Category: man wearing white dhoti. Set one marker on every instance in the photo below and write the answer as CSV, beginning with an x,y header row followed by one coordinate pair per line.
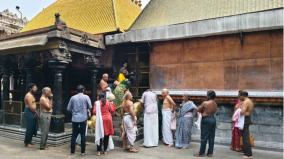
x,y
151,120
129,122
167,112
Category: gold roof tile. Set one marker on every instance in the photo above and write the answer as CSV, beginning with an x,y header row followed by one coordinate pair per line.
x,y
168,12
92,16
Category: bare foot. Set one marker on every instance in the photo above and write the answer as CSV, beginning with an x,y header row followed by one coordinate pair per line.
x,y
133,150
98,153
29,145
170,145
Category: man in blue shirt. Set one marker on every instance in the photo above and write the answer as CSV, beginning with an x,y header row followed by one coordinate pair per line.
x,y
79,105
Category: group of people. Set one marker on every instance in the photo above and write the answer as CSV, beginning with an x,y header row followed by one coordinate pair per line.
x,y
33,116
177,121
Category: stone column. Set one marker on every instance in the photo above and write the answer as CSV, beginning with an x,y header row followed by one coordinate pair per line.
x,y
94,83
57,121
6,84
4,92
92,63
29,76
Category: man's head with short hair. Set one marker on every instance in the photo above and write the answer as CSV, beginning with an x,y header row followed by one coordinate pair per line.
x,y
211,95
127,96
165,92
46,91
242,94
32,87
105,77
80,89
185,97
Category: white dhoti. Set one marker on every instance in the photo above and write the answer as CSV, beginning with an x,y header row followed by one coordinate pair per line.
x,y
151,130
129,128
166,126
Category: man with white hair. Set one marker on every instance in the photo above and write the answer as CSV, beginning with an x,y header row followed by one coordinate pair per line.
x,y
167,111
45,115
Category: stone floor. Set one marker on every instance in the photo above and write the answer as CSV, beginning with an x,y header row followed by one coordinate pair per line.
x,y
14,149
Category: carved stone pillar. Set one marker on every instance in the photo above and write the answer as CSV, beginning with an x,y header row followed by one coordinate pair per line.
x,y
93,63
57,121
29,76
60,59
6,84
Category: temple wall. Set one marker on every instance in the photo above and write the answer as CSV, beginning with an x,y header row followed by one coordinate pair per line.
x,y
227,62
253,61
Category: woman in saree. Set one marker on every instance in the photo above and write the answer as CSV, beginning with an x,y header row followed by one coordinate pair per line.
x,y
186,114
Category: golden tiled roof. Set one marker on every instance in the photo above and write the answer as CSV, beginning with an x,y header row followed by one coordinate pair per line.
x,y
168,12
92,16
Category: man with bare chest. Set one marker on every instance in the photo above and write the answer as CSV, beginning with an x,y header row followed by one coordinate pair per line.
x,y
30,114
208,124
167,112
103,83
46,105
247,107
129,122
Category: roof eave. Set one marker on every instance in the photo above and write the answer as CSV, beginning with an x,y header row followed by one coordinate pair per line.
x,y
264,20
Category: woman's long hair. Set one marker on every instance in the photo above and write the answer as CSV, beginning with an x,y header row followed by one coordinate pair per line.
x,y
102,98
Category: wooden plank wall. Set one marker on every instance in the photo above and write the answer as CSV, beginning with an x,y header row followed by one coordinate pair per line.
x,y
219,62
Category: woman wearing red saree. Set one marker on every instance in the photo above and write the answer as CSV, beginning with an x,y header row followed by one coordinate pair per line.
x,y
106,110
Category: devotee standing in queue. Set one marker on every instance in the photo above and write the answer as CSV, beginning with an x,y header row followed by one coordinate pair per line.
x,y
208,124
186,114
167,112
129,122
103,85
151,119
79,105
237,126
104,127
30,114
247,107
45,115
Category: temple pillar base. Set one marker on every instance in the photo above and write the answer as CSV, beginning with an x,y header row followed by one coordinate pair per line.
x,y
57,123
1,116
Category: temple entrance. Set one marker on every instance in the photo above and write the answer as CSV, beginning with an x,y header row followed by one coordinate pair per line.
x,y
137,57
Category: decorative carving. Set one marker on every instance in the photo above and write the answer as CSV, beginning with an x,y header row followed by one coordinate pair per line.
x,y
61,25
91,60
85,39
62,53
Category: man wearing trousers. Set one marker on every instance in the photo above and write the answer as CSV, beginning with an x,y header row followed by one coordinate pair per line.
x,y
79,105
45,115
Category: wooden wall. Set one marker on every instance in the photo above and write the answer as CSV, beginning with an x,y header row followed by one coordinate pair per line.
x,y
219,62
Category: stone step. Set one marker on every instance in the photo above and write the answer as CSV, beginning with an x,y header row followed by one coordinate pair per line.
x,y
18,133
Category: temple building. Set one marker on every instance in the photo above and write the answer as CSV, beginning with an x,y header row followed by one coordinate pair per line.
x,y
61,48
192,46
10,23
187,46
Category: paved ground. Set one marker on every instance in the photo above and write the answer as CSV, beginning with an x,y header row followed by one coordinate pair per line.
x,y
13,149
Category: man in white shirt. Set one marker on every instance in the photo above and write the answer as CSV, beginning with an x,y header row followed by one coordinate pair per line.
x,y
151,120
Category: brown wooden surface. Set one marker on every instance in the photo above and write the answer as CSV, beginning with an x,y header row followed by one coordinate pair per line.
x,y
219,62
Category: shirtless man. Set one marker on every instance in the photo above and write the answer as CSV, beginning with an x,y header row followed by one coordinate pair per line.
x,y
45,115
30,114
129,122
208,124
247,107
103,83
169,107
